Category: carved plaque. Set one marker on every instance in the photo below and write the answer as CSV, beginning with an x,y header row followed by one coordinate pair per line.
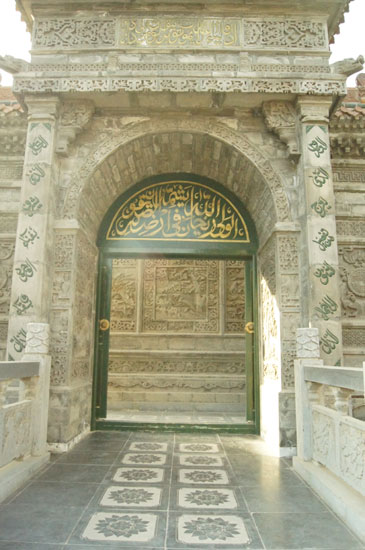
x,y
180,296
124,296
235,296
180,32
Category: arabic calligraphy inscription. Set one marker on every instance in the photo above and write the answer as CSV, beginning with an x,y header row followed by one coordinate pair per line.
x,y
178,210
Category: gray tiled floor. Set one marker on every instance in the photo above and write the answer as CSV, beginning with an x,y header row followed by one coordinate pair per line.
x,y
165,491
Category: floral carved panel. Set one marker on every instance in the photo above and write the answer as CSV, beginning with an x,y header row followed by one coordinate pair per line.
x,y
235,296
352,272
124,296
180,296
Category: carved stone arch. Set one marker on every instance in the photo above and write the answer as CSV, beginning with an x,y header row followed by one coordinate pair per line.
x,y
201,146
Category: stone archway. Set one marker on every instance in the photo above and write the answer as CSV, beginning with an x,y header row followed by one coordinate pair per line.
x,y
201,146
141,149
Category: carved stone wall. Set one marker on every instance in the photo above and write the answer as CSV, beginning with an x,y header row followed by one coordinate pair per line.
x,y
349,182
177,335
71,342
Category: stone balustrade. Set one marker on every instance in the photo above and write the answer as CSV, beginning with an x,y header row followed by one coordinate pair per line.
x,y
331,443
24,395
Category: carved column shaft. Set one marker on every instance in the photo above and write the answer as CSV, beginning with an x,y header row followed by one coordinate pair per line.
x,y
323,309
30,296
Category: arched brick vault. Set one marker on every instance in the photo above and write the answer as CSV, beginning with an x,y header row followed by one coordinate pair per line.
x,y
201,146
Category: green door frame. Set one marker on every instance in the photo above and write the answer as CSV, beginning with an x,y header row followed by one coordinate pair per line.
x,y
189,248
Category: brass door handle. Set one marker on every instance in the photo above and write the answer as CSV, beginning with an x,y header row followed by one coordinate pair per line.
x,y
104,324
249,327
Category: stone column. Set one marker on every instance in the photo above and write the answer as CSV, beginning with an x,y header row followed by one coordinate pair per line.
x,y
320,269
30,296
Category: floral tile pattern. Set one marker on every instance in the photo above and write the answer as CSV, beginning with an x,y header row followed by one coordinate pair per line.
x,y
207,498
213,477
198,448
144,458
121,527
139,475
148,446
131,496
200,460
203,529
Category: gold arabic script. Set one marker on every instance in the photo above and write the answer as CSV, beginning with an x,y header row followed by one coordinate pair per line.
x,y
165,32
178,210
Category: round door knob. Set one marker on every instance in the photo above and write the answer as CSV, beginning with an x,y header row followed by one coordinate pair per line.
x,y
104,324
249,327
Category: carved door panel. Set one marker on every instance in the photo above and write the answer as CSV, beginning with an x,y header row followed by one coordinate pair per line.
x,y
171,336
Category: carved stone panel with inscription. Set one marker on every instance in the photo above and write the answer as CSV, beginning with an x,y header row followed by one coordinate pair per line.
x,y
177,335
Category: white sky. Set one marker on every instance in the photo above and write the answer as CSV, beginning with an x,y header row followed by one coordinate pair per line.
x,y
15,41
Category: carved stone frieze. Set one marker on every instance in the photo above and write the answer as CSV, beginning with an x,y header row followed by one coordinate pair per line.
x,y
208,363
351,228
354,337
352,273
176,384
349,145
280,117
74,32
33,84
288,33
12,143
176,32
11,171
349,175
74,116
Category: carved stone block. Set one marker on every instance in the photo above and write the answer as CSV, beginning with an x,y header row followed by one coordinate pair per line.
x,y
308,343
37,338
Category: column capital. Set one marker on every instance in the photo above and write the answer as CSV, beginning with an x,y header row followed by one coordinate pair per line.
x,y
314,109
44,107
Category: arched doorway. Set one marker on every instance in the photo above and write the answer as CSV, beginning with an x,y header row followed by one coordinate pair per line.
x,y
176,291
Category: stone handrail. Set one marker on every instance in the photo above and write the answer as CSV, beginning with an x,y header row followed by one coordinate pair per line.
x,y
330,442
16,370
24,395
16,426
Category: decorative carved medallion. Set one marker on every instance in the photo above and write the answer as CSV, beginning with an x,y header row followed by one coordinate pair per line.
x,y
178,210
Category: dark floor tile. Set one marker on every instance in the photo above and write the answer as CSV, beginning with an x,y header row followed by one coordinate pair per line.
x,y
61,494
82,457
282,499
38,522
83,473
29,546
300,531
99,445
